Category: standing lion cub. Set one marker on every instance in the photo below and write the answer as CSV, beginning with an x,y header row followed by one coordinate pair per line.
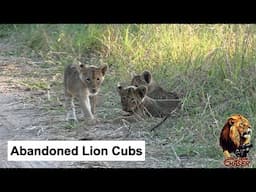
x,y
82,82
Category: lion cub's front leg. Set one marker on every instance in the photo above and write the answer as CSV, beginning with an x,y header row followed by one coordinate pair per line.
x,y
86,106
69,103
93,103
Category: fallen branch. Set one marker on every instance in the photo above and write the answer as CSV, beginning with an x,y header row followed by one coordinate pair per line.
x,y
166,117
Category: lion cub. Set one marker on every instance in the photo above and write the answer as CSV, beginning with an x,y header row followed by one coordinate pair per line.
x,y
137,103
81,81
154,89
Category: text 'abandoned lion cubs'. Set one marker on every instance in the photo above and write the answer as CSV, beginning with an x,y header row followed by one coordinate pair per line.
x,y
135,101
155,91
235,136
81,81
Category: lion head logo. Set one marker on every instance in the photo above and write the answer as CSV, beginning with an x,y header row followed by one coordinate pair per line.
x,y
235,136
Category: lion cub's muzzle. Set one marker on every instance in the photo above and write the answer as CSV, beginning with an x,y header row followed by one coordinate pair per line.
x,y
127,110
93,91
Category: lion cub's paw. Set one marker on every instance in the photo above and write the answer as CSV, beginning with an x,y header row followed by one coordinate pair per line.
x,y
93,121
71,120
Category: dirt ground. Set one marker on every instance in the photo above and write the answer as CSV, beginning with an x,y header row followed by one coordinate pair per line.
x,y
28,114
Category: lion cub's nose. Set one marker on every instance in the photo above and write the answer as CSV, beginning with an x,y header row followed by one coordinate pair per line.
x,y
94,90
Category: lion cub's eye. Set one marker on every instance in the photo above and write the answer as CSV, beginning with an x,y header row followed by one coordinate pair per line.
x,y
98,79
132,99
88,79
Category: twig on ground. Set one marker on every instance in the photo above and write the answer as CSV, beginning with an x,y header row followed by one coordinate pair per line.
x,y
176,156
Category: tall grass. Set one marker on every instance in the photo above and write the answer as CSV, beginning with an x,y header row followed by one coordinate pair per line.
x,y
195,60
222,49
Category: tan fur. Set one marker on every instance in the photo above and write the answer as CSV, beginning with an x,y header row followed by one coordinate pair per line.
x,y
236,132
135,101
155,91
82,82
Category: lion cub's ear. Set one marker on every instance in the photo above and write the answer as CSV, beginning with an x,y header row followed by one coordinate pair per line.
x,y
141,91
133,74
119,87
147,76
78,66
103,69
81,67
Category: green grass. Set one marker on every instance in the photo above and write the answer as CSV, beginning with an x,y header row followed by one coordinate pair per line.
x,y
212,66
36,85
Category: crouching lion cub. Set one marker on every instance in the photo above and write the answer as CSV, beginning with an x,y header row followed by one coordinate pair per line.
x,y
135,101
82,82
154,89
